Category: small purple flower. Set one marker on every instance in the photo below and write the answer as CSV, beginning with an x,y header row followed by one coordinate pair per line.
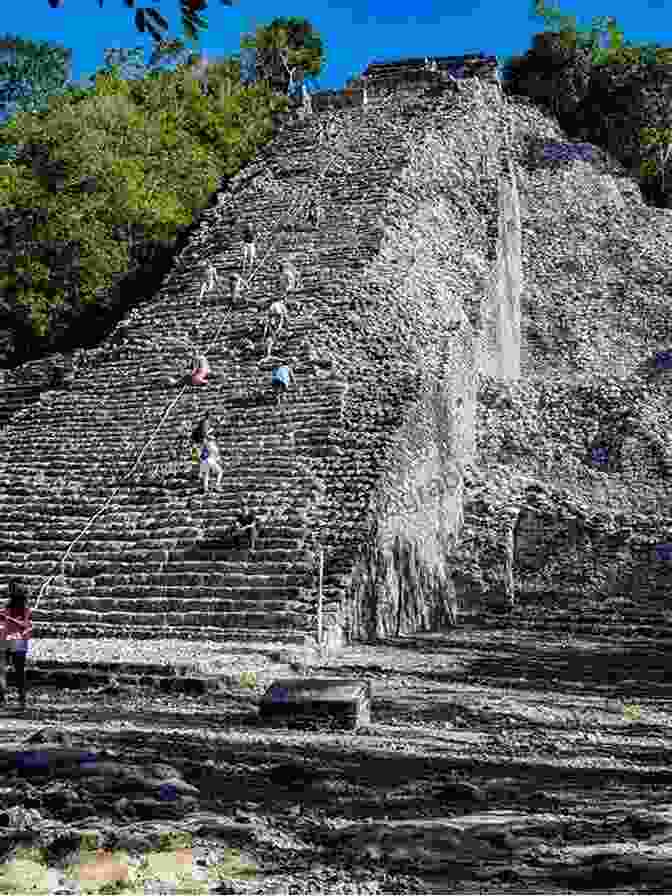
x,y
663,360
568,152
600,455
34,759
279,695
168,792
457,71
664,553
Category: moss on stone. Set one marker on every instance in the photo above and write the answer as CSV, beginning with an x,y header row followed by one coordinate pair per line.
x,y
171,840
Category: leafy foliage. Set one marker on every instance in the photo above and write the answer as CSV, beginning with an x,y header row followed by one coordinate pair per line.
x,y
149,19
106,175
602,38
30,73
286,44
656,142
602,33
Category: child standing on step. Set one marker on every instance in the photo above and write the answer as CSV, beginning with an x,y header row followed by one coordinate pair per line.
x,y
210,463
277,318
236,284
210,281
16,627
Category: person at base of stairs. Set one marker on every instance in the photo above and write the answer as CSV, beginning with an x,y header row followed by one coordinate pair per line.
x,y
315,213
201,430
201,371
211,279
281,377
249,247
16,627
210,463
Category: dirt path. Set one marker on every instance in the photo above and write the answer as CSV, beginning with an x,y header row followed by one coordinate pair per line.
x,y
494,763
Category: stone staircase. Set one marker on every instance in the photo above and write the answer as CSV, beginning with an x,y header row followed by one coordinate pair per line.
x,y
149,565
634,622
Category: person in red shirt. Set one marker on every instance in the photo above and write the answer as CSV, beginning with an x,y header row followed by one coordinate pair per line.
x,y
16,627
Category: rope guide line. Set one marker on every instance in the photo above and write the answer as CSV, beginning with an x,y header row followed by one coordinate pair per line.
x,y
246,281
177,398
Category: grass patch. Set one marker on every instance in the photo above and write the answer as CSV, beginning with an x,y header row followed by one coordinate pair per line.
x,y
248,679
169,840
104,872
24,876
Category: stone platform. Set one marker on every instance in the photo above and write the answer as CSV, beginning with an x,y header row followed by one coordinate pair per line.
x,y
299,701
171,666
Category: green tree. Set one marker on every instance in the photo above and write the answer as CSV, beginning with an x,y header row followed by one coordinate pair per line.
x,y
283,45
31,73
168,53
150,151
656,142
603,38
589,37
126,63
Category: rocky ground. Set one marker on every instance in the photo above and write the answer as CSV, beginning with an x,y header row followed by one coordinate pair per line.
x,y
494,762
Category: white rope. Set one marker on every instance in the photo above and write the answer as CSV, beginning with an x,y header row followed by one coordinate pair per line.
x,y
172,404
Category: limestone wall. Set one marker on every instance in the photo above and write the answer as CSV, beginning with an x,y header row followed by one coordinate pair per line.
x,y
438,283
336,99
395,294
500,346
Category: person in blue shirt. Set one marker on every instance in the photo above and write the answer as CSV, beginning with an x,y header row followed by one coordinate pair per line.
x,y
281,377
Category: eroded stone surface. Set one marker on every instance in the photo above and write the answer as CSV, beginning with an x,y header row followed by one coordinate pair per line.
x,y
518,758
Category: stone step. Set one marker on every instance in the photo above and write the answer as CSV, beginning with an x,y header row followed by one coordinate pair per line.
x,y
288,618
235,577
657,629
209,602
258,441
279,621
198,632
175,592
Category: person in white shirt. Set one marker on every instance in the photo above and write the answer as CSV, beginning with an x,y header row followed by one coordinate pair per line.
x,y
210,463
277,317
289,277
211,280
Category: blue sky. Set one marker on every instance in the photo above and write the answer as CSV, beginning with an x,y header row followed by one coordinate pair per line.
x,y
355,31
